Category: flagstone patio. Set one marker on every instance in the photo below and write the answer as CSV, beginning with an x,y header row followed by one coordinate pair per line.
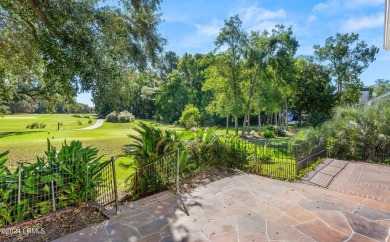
x,y
246,208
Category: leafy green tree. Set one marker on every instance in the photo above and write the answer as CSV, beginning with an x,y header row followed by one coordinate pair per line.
x,y
190,116
283,63
229,66
257,55
268,96
192,68
168,64
313,92
24,105
171,99
381,87
347,58
69,46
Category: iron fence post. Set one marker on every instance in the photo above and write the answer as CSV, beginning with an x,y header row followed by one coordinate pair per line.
x,y
177,170
113,158
19,181
53,196
255,159
296,159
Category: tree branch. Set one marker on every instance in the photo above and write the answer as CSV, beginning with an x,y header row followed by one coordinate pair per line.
x,y
42,17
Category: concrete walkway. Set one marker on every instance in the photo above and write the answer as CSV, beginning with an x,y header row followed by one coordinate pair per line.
x,y
246,208
99,122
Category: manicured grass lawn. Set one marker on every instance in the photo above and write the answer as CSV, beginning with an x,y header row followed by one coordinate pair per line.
x,y
110,139
26,144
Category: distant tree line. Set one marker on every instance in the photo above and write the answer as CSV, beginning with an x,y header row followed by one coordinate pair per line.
x,y
28,105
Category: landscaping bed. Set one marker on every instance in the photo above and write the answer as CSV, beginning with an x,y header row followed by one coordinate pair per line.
x,y
207,176
54,225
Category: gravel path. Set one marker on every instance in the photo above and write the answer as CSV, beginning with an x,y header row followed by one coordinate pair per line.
x,y
98,123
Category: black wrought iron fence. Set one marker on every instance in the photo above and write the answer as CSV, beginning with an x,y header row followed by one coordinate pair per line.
x,y
161,174
267,158
307,152
279,159
39,188
107,190
358,152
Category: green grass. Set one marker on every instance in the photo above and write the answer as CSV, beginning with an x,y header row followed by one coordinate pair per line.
x,y
26,144
110,139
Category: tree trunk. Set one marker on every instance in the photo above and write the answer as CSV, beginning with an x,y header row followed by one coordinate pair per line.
x,y
248,103
286,114
259,117
227,124
280,119
243,124
249,123
236,125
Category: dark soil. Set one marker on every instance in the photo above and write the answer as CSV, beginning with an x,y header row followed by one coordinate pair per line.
x,y
207,176
199,179
54,225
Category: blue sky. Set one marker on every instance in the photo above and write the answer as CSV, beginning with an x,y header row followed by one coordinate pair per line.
x,y
192,26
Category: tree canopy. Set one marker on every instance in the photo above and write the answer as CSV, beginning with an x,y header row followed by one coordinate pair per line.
x,y
347,58
50,48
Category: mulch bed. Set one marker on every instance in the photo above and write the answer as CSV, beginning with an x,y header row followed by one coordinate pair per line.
x,y
200,179
54,225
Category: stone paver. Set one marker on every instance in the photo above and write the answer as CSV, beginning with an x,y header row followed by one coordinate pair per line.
x,y
246,208
364,180
320,231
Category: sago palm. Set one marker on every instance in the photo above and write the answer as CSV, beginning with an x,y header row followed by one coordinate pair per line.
x,y
150,143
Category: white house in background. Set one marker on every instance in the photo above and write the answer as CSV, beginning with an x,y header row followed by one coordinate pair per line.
x,y
387,25
364,95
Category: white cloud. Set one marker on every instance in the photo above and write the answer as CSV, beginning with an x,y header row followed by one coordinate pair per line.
x,y
205,33
311,18
363,3
358,23
256,14
331,6
208,30
257,18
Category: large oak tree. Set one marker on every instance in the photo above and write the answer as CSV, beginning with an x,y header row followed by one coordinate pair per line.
x,y
59,48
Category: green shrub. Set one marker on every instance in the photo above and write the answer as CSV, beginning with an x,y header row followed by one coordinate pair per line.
x,y
315,119
268,134
112,117
125,117
210,150
90,121
190,116
36,125
279,132
79,122
151,143
120,117
360,132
